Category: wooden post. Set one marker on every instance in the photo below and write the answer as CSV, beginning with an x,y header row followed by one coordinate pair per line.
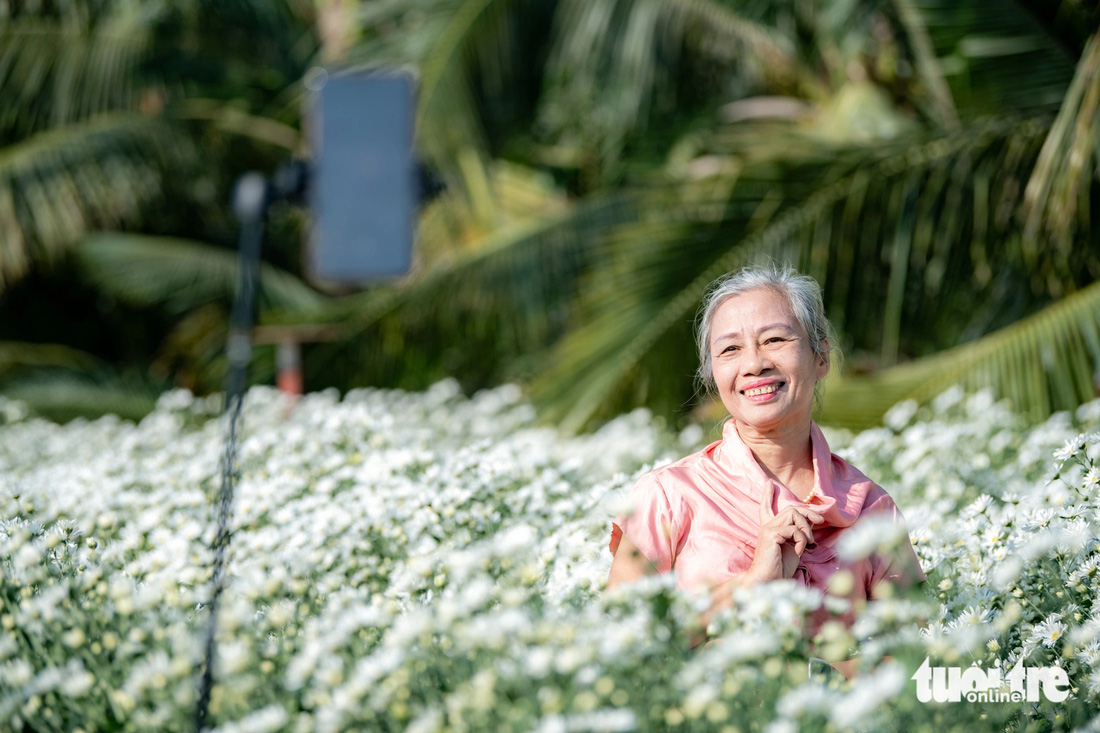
x,y
288,342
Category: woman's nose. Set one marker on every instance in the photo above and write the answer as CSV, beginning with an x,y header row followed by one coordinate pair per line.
x,y
754,361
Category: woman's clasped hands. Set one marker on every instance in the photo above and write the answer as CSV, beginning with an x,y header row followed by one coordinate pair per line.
x,y
782,539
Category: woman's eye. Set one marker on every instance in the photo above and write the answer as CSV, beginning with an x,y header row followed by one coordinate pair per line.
x,y
729,349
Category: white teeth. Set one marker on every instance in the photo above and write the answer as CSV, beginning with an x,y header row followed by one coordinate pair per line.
x,y
761,390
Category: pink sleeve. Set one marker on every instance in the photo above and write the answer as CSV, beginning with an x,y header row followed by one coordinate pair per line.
x,y
899,566
652,526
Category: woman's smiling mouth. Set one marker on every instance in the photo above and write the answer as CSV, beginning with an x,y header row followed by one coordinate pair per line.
x,y
762,390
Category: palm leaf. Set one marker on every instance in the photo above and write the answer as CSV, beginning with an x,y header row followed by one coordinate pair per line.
x,y
449,126
16,356
899,260
180,274
54,72
928,65
477,76
482,316
63,396
61,67
56,186
61,383
1068,24
1057,197
1041,364
635,314
229,118
614,63
994,57
445,226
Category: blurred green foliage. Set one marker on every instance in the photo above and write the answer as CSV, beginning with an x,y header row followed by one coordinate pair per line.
x,y
932,163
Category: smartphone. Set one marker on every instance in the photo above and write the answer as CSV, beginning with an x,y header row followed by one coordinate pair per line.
x,y
363,184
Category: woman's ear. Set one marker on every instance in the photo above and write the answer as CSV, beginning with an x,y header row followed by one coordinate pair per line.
x,y
823,361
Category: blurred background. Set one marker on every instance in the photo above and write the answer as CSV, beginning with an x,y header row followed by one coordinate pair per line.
x,y
597,162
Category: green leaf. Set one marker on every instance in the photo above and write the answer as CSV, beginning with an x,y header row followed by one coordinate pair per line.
x,y
180,274
61,396
483,316
906,265
20,355
1056,196
54,72
1042,364
615,66
994,56
56,186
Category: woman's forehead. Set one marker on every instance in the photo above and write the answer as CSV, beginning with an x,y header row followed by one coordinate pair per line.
x,y
755,311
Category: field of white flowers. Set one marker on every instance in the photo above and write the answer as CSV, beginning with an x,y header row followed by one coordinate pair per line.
x,y
427,562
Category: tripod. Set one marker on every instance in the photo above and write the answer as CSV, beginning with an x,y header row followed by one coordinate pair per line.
x,y
252,199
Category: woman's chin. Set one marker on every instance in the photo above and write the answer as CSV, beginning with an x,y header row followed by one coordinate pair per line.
x,y
770,416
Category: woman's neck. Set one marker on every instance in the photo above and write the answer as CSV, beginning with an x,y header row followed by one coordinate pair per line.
x,y
786,455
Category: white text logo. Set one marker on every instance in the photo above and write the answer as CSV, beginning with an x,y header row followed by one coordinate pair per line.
x,y
977,684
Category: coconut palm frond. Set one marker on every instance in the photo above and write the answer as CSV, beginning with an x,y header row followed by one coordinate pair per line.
x,y
1047,362
450,129
230,119
614,64
54,72
903,240
445,226
180,274
619,56
928,65
62,396
482,316
56,186
19,355
995,57
400,32
1069,24
1057,194
60,383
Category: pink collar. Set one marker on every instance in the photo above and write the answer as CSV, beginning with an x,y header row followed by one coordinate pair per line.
x,y
839,488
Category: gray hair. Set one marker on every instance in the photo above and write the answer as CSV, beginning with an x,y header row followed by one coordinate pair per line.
x,y
801,291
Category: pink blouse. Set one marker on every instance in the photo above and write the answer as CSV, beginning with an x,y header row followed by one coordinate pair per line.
x,y
699,517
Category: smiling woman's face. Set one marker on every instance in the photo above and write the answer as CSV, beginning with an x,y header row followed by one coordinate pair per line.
x,y
762,362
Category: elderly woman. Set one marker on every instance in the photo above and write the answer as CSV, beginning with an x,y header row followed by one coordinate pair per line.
x,y
769,500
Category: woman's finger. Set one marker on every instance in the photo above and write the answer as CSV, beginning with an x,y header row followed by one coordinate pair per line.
x,y
781,533
791,519
809,514
804,525
793,535
806,512
789,514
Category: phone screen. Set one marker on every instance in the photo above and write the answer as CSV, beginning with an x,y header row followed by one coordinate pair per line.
x,y
363,185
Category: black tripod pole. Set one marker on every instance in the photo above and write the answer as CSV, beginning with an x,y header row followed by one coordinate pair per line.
x,y
250,202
